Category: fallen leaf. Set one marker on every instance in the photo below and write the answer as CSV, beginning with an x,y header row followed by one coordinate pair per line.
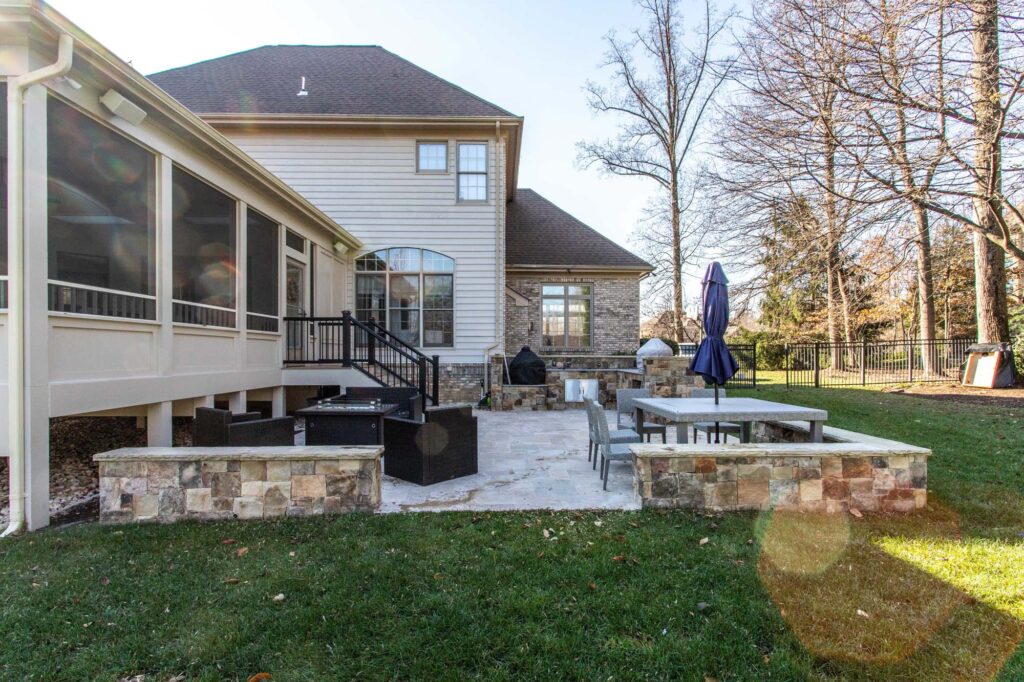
x,y
258,677
104,580
289,554
547,533
598,523
704,541
278,598
36,585
863,614
231,581
241,551
702,606
540,555
856,512
619,558
229,541
85,625
592,586
634,524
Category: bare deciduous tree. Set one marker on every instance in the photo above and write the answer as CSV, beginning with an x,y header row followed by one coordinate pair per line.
x,y
661,88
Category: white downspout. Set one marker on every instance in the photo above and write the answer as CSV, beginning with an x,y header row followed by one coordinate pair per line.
x,y
16,272
499,321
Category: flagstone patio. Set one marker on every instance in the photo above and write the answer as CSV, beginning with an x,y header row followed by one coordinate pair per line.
x,y
527,460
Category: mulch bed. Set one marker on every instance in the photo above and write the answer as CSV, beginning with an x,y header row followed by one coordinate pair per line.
x,y
74,479
991,397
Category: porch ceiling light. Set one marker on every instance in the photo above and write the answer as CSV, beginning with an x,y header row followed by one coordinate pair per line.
x,y
119,106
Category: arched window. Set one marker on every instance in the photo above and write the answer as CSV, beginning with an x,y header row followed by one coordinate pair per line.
x,y
411,292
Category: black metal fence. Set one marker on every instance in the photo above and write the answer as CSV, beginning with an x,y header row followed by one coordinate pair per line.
x,y
746,357
873,363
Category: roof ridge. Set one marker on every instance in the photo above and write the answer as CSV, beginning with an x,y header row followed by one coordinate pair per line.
x,y
577,220
448,82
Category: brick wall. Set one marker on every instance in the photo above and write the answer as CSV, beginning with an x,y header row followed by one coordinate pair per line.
x,y
616,313
460,382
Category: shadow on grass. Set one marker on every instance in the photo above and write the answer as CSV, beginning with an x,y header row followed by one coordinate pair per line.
x,y
895,597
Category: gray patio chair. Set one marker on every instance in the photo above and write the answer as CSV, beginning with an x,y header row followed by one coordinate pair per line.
x,y
624,398
725,428
617,436
618,452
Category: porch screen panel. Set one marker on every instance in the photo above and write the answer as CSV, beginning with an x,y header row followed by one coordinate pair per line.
x,y
101,226
203,253
262,273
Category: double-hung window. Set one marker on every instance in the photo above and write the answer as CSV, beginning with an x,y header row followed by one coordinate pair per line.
x,y
472,171
567,311
409,291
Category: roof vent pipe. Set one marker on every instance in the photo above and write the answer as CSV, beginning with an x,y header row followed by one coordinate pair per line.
x,y
302,89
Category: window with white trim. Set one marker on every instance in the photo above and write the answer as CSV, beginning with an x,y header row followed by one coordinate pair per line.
x,y
431,157
101,223
567,315
409,291
472,171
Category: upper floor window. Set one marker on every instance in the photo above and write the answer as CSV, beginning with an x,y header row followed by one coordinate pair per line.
x,y
472,171
431,157
203,252
567,311
101,223
411,292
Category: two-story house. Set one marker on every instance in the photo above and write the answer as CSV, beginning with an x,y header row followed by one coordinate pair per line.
x,y
192,239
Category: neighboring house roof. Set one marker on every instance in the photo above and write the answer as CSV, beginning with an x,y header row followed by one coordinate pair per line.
x,y
538,233
342,80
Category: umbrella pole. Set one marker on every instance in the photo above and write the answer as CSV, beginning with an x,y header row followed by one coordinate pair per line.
x,y
717,430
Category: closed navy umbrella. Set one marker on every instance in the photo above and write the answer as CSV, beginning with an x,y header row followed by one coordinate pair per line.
x,y
713,361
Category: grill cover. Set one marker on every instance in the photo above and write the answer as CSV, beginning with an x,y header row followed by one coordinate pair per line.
x,y
654,348
527,368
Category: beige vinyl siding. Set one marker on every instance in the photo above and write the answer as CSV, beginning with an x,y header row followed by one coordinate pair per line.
x,y
369,185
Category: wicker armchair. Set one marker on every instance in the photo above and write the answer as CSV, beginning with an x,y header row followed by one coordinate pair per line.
x,y
220,428
409,400
441,447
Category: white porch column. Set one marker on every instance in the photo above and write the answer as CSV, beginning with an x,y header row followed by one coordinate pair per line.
x,y
277,406
37,331
159,429
205,401
237,401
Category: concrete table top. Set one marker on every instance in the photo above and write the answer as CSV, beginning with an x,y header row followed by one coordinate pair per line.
x,y
685,411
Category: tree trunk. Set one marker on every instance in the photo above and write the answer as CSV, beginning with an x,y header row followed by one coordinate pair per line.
x,y
925,289
677,267
989,259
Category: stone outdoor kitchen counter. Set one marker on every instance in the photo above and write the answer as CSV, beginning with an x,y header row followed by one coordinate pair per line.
x,y
168,484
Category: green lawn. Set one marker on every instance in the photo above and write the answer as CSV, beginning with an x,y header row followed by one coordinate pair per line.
x,y
935,596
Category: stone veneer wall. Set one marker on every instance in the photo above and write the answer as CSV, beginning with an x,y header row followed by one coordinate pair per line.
x,y
461,382
663,376
616,312
828,477
168,484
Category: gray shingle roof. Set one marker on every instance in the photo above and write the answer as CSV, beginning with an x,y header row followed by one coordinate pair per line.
x,y
539,233
353,80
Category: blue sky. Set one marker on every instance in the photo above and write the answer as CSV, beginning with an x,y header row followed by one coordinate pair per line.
x,y
528,56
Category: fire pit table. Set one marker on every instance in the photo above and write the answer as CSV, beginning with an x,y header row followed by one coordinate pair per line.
x,y
346,423
683,412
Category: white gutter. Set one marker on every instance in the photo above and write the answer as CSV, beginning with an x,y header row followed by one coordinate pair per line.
x,y
16,272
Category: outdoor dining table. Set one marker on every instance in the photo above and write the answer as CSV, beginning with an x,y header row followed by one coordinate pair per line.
x,y
683,412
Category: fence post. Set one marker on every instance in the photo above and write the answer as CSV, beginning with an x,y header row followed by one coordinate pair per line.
x,y
753,367
435,360
346,338
785,361
817,364
864,362
910,362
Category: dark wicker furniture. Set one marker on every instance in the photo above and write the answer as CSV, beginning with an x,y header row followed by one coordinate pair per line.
x,y
219,428
441,447
409,400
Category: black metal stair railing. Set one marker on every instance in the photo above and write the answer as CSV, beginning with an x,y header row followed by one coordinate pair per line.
x,y
366,346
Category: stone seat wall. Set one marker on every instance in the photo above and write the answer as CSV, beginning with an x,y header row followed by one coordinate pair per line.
x,y
869,474
168,484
